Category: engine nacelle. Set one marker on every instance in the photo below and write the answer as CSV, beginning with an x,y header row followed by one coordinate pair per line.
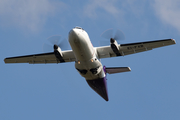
x,y
115,47
58,53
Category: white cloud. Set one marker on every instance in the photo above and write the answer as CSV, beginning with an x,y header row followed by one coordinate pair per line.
x,y
136,7
32,14
109,6
28,14
168,11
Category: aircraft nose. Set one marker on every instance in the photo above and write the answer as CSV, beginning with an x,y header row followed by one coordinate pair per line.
x,y
73,36
73,33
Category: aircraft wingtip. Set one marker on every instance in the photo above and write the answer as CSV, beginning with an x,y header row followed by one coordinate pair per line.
x,y
173,41
4,60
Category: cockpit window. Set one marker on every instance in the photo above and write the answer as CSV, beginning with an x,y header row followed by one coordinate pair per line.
x,y
79,28
82,71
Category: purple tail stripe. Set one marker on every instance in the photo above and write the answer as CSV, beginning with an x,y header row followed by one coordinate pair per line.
x,y
99,86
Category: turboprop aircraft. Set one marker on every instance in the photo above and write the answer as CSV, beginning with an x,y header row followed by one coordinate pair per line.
x,y
87,58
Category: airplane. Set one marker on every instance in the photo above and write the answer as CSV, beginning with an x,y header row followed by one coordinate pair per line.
x,y
87,58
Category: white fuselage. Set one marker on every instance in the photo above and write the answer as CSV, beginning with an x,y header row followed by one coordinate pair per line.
x,y
87,62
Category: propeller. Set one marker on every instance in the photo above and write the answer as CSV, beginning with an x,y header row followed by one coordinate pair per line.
x,y
113,34
55,41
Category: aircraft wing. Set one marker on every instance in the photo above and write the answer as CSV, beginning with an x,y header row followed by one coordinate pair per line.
x,y
68,56
132,48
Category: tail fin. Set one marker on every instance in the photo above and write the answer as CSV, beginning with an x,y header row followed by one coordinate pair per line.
x,y
112,70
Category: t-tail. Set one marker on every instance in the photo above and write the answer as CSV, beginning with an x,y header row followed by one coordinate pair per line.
x,y
100,85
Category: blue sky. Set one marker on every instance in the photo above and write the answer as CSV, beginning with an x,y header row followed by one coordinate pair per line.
x,y
57,91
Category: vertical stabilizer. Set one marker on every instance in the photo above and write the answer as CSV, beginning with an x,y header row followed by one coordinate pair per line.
x,y
99,86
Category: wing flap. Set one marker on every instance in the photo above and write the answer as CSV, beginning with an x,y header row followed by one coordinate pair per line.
x,y
105,52
68,56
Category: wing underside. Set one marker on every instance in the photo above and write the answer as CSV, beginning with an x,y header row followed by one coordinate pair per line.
x,y
102,52
68,56
132,48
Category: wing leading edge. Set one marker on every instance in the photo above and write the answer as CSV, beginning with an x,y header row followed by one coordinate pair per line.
x,y
68,56
132,48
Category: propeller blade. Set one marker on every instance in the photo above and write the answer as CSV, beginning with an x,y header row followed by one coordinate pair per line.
x,y
112,33
47,47
64,44
55,39
119,35
107,34
115,34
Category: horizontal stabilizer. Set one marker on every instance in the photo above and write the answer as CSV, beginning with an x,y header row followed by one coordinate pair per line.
x,y
112,70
